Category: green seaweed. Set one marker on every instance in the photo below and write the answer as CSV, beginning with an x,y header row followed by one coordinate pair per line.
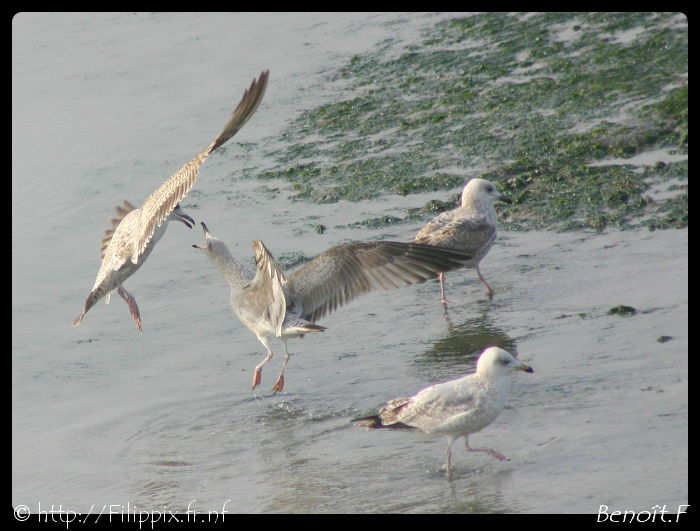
x,y
535,99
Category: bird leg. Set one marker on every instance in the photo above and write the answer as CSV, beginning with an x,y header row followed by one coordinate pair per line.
x,y
449,460
488,288
257,375
490,451
133,307
279,384
442,290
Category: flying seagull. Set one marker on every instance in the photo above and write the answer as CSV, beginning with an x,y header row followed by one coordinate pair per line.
x,y
136,231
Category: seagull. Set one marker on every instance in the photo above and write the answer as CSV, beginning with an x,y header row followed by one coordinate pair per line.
x,y
471,227
136,231
455,408
272,305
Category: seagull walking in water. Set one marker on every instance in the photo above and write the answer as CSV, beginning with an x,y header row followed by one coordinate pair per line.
x,y
137,230
472,227
456,408
272,305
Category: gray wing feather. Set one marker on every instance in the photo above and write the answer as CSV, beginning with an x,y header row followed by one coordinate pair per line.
x,y
162,202
270,281
436,404
109,233
472,234
342,273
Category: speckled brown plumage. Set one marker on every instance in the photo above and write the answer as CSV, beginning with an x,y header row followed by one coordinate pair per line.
x,y
138,230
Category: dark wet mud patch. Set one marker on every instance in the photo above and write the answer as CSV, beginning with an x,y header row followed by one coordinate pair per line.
x,y
528,101
622,310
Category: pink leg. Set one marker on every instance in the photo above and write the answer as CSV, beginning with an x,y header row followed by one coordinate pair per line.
x,y
442,289
449,459
257,375
488,288
279,384
133,307
490,451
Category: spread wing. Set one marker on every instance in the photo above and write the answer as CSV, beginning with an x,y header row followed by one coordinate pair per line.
x,y
342,273
162,202
270,281
117,252
121,214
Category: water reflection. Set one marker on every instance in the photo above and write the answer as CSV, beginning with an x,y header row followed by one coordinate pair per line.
x,y
456,353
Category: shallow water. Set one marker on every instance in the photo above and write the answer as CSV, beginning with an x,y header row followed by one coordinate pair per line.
x,y
105,107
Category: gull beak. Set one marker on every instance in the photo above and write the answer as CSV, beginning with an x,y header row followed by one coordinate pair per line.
x,y
505,199
525,368
181,216
187,220
207,235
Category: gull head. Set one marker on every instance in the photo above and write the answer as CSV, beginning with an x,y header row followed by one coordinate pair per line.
x,y
482,191
179,215
214,246
495,362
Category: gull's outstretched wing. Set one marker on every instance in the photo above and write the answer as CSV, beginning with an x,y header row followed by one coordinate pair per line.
x,y
342,273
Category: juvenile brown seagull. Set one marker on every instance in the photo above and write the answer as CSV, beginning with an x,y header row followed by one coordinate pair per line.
x,y
137,230
471,227
274,306
456,408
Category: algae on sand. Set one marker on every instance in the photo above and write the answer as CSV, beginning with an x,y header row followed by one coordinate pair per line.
x,y
533,99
